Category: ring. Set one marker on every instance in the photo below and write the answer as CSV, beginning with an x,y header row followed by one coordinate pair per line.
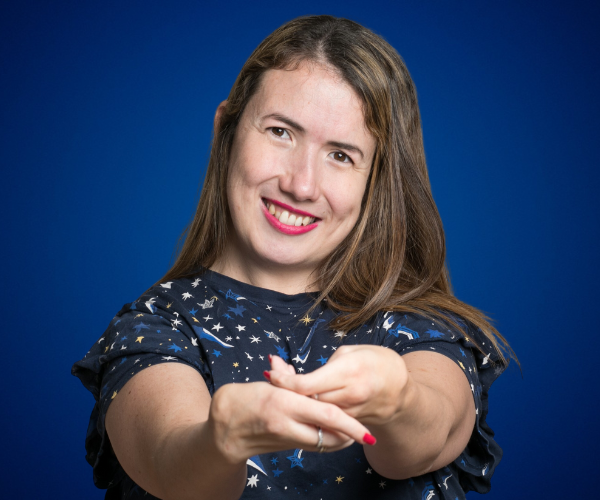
x,y
320,447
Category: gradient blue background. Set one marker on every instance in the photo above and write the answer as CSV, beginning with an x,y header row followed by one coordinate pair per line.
x,y
105,127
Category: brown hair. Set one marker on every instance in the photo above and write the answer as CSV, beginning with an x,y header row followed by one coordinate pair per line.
x,y
394,258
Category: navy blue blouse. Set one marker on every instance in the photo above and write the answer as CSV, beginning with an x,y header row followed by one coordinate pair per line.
x,y
226,329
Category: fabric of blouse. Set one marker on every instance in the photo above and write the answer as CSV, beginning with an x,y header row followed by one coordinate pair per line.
x,y
226,329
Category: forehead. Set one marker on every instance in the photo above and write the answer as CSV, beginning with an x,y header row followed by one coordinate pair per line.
x,y
315,96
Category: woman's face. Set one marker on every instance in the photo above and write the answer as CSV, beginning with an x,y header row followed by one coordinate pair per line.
x,y
300,162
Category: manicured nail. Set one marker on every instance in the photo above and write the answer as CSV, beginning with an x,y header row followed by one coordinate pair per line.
x,y
369,439
268,377
270,358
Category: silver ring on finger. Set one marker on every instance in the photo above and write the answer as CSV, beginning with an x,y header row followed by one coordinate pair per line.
x,y
320,447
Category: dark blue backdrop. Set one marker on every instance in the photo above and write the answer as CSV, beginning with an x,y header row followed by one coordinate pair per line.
x,y
105,125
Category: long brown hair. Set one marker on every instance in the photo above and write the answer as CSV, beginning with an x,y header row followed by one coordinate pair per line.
x,y
394,257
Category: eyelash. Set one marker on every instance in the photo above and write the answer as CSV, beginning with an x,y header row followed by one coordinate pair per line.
x,y
347,159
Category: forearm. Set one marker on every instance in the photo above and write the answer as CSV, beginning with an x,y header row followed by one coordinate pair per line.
x,y
412,442
189,465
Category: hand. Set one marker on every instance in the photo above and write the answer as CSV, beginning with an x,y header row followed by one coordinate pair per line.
x,y
367,382
254,418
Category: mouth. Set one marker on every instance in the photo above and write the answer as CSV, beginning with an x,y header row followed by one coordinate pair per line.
x,y
288,215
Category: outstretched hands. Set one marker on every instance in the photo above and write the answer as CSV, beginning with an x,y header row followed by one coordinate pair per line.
x,y
255,418
366,382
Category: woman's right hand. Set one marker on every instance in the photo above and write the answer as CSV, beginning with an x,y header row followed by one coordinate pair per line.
x,y
254,418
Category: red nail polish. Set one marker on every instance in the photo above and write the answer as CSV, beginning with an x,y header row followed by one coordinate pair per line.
x,y
268,377
369,439
270,358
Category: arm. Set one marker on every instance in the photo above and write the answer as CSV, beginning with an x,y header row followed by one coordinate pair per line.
x,y
418,406
175,442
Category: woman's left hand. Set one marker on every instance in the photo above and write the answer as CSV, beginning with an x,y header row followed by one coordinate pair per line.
x,y
368,382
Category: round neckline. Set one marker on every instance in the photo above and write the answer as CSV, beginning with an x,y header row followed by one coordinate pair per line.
x,y
257,294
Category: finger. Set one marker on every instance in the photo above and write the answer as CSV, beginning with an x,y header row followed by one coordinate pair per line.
x,y
328,378
330,417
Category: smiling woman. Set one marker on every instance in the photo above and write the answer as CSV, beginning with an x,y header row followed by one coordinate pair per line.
x,y
299,171
317,248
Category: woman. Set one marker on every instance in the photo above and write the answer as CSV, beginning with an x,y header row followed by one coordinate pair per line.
x,y
315,260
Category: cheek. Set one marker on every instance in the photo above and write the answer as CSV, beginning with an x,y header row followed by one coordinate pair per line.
x,y
347,199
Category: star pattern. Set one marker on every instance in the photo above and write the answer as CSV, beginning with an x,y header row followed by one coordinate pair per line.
x,y
158,326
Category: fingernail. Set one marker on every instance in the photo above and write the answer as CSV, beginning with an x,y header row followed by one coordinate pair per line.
x,y
270,358
369,439
268,377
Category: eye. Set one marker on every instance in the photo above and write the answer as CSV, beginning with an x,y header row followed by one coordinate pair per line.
x,y
341,157
279,132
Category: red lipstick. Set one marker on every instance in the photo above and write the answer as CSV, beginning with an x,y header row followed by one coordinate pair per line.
x,y
286,228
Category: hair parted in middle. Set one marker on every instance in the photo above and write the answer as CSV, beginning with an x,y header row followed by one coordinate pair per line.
x,y
394,257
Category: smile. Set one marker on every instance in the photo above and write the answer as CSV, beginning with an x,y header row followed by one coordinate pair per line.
x,y
287,219
289,216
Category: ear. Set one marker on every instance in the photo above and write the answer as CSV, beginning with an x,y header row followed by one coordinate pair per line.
x,y
218,114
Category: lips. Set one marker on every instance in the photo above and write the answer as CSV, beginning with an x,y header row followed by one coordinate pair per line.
x,y
287,219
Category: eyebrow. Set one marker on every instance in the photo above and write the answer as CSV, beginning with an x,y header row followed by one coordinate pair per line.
x,y
300,128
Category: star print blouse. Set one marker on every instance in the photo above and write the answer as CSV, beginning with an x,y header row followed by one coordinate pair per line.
x,y
226,329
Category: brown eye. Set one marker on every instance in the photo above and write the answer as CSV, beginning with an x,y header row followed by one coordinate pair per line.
x,y
341,157
279,132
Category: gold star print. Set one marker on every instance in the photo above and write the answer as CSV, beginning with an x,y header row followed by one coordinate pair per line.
x,y
195,320
236,364
139,339
169,305
461,365
306,320
139,315
114,394
255,320
339,479
107,348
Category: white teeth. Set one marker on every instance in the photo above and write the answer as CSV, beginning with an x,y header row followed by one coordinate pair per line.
x,y
290,219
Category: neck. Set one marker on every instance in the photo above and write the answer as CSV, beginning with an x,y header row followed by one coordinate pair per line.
x,y
279,278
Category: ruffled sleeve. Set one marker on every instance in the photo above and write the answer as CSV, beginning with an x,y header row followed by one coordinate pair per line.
x,y
410,332
157,328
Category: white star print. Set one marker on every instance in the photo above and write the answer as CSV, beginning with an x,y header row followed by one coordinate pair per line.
x,y
249,357
176,322
300,370
369,470
168,358
227,338
195,342
253,480
101,340
271,335
254,339
206,318
269,308
261,356
240,328
217,327
247,379
136,361
186,295
339,333
382,484
196,282
123,347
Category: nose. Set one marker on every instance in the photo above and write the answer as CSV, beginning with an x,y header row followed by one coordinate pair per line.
x,y
300,177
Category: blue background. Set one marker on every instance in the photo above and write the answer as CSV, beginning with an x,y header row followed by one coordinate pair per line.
x,y
105,127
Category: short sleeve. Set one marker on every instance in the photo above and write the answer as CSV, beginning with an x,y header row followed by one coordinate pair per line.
x,y
152,330
408,333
